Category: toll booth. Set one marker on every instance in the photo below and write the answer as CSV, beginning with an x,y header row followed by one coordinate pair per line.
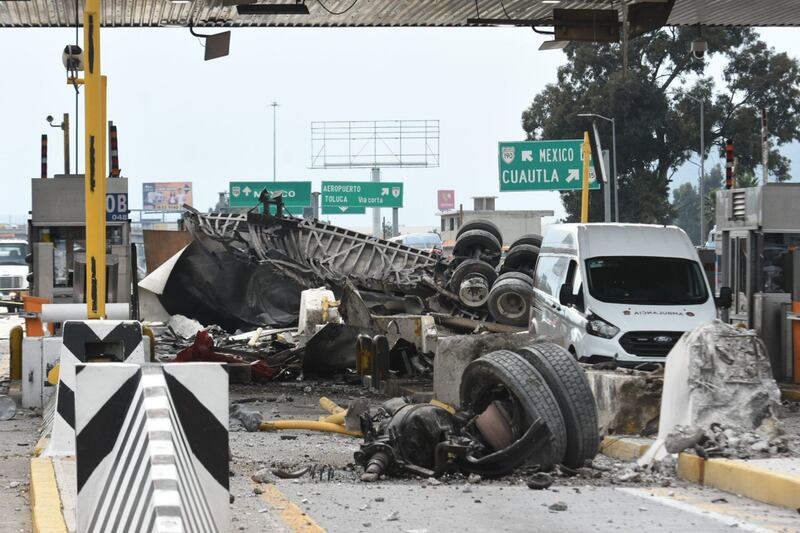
x,y
757,243
57,233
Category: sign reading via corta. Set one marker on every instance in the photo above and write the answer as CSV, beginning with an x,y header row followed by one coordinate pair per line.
x,y
246,193
362,194
542,165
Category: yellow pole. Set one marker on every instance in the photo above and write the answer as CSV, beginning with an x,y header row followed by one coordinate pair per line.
x,y
587,153
95,162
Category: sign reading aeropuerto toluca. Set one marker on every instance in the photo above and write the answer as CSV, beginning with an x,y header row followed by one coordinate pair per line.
x,y
362,194
542,166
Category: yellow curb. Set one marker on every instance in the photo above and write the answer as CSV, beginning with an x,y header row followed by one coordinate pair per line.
x,y
45,498
740,477
291,514
791,392
623,448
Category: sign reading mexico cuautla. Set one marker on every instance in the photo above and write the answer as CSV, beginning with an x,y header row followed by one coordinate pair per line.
x,y
245,193
362,194
543,166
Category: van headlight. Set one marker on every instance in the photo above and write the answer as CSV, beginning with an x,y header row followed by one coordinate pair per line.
x,y
600,328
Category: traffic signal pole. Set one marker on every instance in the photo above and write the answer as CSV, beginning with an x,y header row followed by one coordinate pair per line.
x,y
587,154
95,162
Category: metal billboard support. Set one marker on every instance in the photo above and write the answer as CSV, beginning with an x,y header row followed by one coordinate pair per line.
x,y
375,144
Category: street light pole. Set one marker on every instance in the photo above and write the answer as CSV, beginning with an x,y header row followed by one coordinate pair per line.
x,y
274,106
614,157
701,185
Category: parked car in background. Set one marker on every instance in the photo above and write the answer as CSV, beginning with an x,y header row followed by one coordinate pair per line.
x,y
625,292
430,242
13,269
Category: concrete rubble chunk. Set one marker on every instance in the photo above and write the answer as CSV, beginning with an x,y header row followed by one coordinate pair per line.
x,y
183,327
718,378
8,409
683,437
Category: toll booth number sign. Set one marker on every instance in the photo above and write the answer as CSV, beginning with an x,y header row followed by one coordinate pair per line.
x,y
116,207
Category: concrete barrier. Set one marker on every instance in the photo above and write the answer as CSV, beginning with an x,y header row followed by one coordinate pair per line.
x,y
152,447
82,341
627,404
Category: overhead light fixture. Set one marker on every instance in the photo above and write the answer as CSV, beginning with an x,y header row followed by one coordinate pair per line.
x,y
644,17
553,45
216,45
180,1
589,25
551,1
298,8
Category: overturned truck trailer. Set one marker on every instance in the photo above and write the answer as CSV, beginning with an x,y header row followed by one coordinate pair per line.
x,y
392,277
332,254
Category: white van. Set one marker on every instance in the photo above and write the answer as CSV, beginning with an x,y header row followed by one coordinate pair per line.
x,y
624,292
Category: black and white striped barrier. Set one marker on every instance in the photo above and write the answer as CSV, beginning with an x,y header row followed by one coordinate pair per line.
x,y
86,341
152,448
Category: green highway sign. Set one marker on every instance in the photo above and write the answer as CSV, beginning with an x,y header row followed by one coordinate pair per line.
x,y
543,165
361,194
245,193
343,210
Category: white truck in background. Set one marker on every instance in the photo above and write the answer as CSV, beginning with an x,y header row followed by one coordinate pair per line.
x,y
13,269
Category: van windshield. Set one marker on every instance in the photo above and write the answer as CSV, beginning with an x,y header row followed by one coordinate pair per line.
x,y
646,280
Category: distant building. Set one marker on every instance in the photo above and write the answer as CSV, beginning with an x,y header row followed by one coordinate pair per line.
x,y
512,224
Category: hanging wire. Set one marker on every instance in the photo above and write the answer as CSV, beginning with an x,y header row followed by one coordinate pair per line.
x,y
323,6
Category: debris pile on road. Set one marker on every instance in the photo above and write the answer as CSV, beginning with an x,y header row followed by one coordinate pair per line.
x,y
719,396
286,297
248,270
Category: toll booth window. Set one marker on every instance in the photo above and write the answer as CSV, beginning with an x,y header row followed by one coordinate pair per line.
x,y
740,270
443,223
452,224
775,252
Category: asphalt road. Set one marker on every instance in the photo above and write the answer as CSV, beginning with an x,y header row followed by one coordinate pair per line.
x,y
344,504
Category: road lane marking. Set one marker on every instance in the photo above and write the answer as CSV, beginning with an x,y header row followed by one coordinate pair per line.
x,y
289,512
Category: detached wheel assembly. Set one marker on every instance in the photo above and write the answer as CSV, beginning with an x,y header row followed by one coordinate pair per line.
x,y
569,386
471,281
503,384
510,301
481,224
521,258
478,244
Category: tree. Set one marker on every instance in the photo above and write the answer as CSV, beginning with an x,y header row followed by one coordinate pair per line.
x,y
686,204
656,120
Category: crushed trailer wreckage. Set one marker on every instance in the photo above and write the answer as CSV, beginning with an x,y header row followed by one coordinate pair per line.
x,y
371,312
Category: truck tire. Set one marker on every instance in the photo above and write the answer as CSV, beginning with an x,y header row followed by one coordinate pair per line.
x,y
470,268
568,383
482,224
510,302
528,393
531,238
516,275
478,241
521,258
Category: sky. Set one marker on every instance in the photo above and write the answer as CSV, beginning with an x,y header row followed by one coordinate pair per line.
x,y
180,118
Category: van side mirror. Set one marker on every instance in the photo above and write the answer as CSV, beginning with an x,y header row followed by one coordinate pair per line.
x,y
725,298
565,295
